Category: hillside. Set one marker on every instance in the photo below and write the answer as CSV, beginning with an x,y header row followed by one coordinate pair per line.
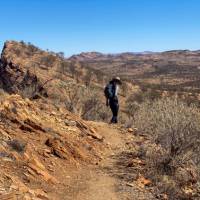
x,y
55,140
36,74
36,142
50,154
171,70
45,148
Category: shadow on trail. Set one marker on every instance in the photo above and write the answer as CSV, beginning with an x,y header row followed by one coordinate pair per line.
x,y
118,167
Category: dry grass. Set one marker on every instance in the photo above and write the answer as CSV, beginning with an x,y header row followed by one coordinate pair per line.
x,y
94,108
173,153
134,100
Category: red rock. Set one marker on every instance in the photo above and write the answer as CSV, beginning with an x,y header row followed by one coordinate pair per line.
x,y
130,130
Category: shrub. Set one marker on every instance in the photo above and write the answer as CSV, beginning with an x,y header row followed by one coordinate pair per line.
x,y
31,87
174,129
83,101
61,55
72,69
17,145
94,109
62,70
75,97
135,99
99,76
88,78
124,88
48,60
32,48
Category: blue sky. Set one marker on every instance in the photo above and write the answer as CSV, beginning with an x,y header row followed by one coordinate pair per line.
x,y
108,26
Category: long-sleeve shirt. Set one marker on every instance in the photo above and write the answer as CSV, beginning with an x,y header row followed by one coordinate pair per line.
x,y
116,90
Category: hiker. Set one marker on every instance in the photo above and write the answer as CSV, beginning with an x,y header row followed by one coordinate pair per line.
x,y
111,91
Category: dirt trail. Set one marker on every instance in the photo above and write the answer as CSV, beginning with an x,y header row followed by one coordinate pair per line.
x,y
110,179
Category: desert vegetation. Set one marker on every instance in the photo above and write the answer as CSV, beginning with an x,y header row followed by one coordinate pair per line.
x,y
172,154
172,71
159,109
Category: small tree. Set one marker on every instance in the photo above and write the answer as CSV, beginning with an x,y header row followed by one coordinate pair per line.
x,y
61,55
63,68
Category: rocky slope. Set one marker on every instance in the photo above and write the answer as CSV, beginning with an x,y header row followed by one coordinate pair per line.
x,y
42,144
39,148
27,70
47,152
33,73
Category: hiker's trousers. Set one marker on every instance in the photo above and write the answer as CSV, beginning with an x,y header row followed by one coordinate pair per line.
x,y
114,106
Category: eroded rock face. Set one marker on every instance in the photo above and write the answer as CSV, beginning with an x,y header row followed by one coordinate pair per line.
x,y
38,150
20,69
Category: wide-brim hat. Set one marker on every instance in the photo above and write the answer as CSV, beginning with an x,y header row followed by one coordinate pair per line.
x,y
118,80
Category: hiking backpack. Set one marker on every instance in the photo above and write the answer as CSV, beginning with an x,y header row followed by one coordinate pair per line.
x,y
109,91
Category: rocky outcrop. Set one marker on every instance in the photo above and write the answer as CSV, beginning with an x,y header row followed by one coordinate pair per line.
x,y
24,69
38,149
